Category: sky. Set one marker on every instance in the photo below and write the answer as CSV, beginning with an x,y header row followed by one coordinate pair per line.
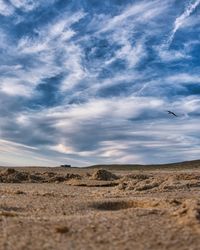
x,y
88,82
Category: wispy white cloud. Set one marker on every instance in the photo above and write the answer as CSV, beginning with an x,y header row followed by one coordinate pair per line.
x,y
8,8
183,78
122,29
171,55
53,40
56,32
5,8
26,5
10,143
138,12
180,21
185,20
23,81
45,50
15,154
176,81
132,54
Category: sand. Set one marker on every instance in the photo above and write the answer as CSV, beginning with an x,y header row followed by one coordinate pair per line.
x,y
56,208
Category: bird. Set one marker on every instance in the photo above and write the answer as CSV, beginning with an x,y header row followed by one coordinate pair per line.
x,y
171,113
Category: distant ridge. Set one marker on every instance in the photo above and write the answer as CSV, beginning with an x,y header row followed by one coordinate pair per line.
x,y
178,165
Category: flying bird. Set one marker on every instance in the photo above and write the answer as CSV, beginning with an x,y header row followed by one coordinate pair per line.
x,y
172,113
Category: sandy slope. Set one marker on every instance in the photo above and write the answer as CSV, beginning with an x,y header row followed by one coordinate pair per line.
x,y
87,209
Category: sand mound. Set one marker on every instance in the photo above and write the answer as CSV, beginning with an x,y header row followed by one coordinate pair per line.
x,y
139,185
168,183
186,176
136,177
59,178
11,175
178,183
146,185
103,175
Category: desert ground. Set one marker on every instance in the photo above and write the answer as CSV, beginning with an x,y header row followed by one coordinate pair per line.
x,y
100,207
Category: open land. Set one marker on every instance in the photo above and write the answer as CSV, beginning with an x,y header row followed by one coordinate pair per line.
x,y
101,207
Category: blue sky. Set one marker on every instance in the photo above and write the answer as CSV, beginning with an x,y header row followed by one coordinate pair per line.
x,y
89,81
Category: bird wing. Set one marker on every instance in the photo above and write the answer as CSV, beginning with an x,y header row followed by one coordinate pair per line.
x,y
172,113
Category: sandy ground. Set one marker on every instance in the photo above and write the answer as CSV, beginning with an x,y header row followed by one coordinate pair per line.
x,y
91,209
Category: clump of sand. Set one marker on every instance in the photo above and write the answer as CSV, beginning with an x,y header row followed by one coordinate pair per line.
x,y
188,212
156,183
103,175
138,177
142,185
12,175
62,178
146,185
186,176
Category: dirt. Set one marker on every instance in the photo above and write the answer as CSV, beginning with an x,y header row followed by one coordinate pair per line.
x,y
99,209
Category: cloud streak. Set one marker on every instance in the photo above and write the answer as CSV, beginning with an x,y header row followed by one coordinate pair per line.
x,y
179,22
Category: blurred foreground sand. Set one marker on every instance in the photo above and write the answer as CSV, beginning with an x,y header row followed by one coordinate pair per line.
x,y
58,208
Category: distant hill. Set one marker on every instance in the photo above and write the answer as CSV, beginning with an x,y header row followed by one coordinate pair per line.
x,y
178,165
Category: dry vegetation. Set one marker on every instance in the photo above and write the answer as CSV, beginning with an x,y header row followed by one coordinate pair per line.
x,y
56,208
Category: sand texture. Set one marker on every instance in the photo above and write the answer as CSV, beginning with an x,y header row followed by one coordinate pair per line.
x,y
57,208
